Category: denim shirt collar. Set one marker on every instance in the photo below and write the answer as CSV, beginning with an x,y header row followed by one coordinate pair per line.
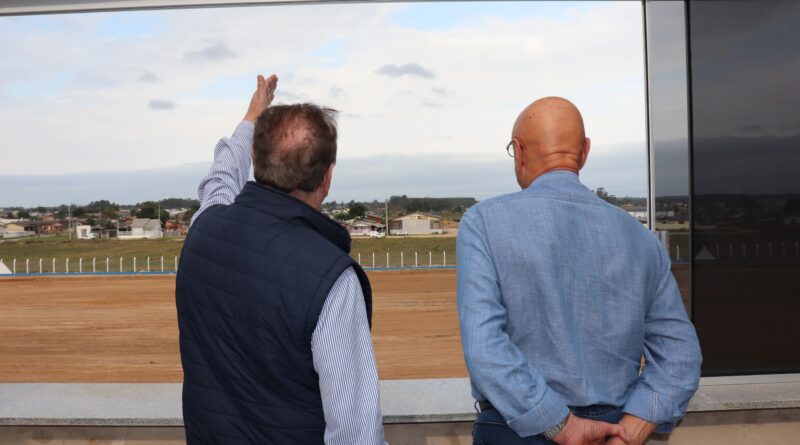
x,y
557,180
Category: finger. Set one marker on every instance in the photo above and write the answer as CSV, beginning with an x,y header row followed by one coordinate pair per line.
x,y
619,431
260,85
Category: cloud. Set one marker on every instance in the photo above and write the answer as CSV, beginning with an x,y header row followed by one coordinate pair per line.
x,y
408,69
148,77
440,91
160,104
211,53
427,104
336,92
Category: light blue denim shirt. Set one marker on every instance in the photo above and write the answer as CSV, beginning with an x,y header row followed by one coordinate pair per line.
x,y
559,296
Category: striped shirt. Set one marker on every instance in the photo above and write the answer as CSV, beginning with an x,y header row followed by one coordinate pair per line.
x,y
341,344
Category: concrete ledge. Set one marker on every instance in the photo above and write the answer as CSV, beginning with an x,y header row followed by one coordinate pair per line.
x,y
402,401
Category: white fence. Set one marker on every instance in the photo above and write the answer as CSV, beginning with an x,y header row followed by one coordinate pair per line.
x,y
107,265
162,264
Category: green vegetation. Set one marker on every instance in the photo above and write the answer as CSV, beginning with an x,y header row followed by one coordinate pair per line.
x,y
61,248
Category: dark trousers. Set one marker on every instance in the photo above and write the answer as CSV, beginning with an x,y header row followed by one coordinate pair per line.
x,y
491,428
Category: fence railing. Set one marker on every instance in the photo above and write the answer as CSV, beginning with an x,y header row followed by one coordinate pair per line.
x,y
164,264
94,265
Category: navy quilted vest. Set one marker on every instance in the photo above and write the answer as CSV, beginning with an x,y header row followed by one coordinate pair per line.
x,y
252,280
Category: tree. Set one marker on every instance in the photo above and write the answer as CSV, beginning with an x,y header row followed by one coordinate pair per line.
x,y
91,222
357,210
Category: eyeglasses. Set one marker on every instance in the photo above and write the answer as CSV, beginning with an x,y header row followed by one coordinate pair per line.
x,y
510,148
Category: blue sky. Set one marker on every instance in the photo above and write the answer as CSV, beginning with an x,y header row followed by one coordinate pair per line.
x,y
139,91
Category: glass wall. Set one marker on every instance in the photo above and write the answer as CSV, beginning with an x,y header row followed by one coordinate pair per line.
x,y
669,134
745,84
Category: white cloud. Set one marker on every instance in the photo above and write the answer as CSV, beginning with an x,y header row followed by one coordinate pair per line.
x,y
406,69
486,71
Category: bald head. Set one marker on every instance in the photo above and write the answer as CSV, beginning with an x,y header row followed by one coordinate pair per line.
x,y
549,135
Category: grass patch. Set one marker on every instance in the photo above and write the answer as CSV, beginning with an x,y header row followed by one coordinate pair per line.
x,y
61,248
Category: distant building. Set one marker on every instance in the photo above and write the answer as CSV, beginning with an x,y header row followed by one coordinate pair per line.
x,y
638,212
142,228
416,223
14,230
362,227
84,232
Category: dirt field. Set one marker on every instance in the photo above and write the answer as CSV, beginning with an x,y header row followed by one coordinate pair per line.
x,y
123,329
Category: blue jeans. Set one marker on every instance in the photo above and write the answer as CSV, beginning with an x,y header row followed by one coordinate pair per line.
x,y
491,428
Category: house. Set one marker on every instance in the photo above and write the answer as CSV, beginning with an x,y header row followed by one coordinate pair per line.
x,y
50,226
374,217
142,228
417,223
175,228
84,232
14,230
362,227
638,212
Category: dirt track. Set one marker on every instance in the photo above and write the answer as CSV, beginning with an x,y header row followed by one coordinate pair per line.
x,y
123,329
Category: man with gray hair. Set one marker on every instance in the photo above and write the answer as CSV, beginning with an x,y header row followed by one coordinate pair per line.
x,y
274,315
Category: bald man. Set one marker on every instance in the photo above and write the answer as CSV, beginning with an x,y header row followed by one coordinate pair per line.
x,y
560,294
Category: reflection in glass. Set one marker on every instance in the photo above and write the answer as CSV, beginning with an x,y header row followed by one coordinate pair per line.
x,y
669,134
746,202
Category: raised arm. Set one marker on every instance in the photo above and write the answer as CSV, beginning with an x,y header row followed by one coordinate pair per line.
x,y
232,156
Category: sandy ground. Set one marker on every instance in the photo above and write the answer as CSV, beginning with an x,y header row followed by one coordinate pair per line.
x,y
124,329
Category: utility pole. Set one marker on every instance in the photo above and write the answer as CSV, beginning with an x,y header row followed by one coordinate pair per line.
x,y
69,221
387,217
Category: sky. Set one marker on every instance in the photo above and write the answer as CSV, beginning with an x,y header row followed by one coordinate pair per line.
x,y
128,106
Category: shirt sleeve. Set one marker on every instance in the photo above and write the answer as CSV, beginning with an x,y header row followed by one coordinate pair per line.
x,y
672,357
499,371
341,346
229,171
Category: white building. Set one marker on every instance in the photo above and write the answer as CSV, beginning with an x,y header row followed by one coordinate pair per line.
x,y
143,228
416,223
84,232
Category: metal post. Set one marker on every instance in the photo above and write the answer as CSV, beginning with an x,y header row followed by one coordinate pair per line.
x,y
387,259
148,264
54,266
134,264
444,258
66,269
401,259
40,265
416,263
108,268
677,252
176,263
14,266
120,264
373,260
80,265
430,258
359,258
94,264
162,263
27,266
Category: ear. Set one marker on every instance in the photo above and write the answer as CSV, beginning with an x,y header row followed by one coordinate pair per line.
x,y
587,145
326,183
